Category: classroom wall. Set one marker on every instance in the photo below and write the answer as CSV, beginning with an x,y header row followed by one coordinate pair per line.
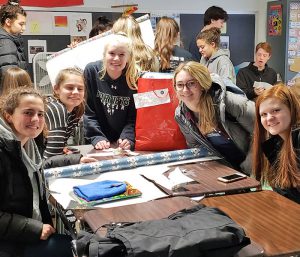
x,y
257,7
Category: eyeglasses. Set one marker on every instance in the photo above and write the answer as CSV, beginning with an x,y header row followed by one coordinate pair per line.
x,y
189,85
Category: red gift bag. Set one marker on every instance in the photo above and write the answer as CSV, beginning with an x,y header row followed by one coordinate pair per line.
x,y
156,128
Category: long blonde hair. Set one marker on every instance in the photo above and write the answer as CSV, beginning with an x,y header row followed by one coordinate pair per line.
x,y
207,115
145,57
284,173
131,70
166,34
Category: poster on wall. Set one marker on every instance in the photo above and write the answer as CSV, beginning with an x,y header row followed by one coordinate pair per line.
x,y
36,46
39,23
224,42
60,24
80,24
294,42
275,20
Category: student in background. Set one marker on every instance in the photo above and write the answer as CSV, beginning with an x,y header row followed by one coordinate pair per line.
x,y
13,21
110,111
166,38
257,71
145,58
211,117
101,25
25,222
215,59
14,77
64,110
276,143
214,17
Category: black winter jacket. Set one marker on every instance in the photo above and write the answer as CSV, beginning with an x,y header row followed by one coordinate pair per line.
x,y
271,149
17,228
248,75
12,52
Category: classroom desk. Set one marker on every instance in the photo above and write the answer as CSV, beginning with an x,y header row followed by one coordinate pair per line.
x,y
205,173
268,218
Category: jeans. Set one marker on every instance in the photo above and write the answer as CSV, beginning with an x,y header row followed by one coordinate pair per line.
x,y
57,245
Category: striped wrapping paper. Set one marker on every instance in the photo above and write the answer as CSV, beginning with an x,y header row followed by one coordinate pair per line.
x,y
125,163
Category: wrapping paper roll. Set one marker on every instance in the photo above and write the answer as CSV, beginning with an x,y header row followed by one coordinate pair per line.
x,y
80,170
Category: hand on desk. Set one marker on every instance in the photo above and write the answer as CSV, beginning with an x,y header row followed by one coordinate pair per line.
x,y
87,160
124,144
47,231
103,144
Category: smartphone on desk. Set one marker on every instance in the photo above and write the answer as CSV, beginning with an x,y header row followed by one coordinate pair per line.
x,y
232,177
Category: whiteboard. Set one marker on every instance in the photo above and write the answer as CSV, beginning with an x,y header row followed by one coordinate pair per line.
x,y
91,50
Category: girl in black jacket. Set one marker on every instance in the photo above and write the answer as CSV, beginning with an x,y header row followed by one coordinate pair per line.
x,y
276,145
25,223
13,24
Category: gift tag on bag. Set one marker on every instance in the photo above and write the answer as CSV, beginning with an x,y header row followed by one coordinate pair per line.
x,y
152,98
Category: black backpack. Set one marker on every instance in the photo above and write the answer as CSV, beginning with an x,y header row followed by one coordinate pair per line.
x,y
195,232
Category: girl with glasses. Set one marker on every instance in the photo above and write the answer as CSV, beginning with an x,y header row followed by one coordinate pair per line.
x,y
212,117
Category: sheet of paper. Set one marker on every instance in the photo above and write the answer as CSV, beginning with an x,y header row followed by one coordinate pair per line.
x,y
177,177
264,85
174,178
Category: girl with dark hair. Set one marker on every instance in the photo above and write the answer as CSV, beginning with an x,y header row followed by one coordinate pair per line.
x,y
101,25
276,143
25,223
13,21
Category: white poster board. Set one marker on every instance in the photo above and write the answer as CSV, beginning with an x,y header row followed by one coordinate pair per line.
x,y
91,50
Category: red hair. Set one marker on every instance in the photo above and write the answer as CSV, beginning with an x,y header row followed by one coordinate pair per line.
x,y
284,173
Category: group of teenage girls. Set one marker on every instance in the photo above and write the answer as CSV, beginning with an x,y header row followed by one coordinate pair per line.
x,y
209,115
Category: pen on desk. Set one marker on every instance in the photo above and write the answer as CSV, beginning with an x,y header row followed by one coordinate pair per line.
x,y
160,187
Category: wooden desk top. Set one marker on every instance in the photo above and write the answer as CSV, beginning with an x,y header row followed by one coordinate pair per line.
x,y
268,218
207,173
156,209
